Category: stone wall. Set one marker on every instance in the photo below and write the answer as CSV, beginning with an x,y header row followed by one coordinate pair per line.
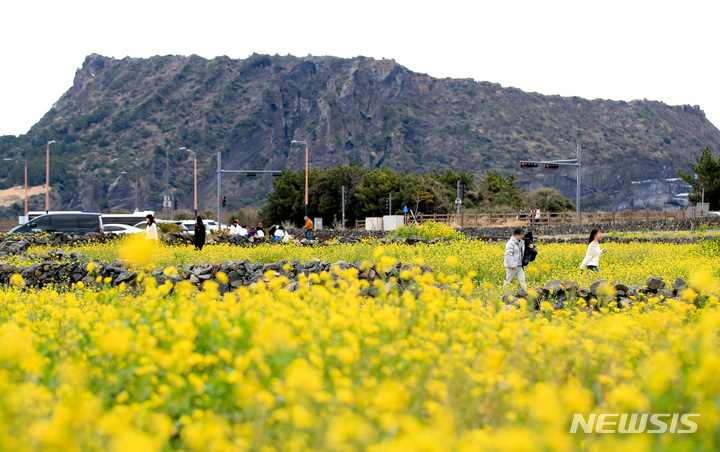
x,y
60,269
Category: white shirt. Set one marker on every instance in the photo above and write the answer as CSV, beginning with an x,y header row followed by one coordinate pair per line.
x,y
592,257
242,231
279,233
151,232
260,233
234,230
537,214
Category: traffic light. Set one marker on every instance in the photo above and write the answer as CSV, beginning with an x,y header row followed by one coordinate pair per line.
x,y
528,164
387,204
176,204
552,166
224,201
346,199
462,192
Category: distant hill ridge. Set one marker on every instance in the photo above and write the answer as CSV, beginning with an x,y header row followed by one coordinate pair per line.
x,y
124,115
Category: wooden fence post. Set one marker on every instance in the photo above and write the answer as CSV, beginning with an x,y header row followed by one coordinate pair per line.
x,y
564,218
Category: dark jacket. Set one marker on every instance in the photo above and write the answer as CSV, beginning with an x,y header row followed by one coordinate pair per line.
x,y
529,254
199,239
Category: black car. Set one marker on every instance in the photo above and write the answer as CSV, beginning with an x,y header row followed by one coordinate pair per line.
x,y
71,223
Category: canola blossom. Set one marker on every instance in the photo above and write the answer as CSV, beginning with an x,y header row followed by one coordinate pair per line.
x,y
630,263
441,366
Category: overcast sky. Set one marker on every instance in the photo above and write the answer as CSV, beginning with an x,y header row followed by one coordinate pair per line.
x,y
623,50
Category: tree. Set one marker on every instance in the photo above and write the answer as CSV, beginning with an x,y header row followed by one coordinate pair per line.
x,y
425,197
501,190
707,176
287,200
547,200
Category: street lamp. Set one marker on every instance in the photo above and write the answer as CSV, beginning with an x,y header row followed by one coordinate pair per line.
x,y
136,189
195,162
47,176
24,160
306,171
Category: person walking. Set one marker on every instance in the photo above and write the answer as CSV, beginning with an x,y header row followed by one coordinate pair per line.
x,y
514,251
592,256
537,217
532,217
199,238
151,228
308,228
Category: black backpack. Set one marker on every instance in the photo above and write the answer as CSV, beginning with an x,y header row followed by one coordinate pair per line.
x,y
529,254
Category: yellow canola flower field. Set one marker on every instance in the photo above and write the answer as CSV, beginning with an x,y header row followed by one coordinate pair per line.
x,y
324,369
631,263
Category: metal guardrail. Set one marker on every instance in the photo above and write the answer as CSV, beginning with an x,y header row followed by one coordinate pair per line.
x,y
488,220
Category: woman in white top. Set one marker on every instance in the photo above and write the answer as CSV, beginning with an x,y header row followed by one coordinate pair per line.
x,y
151,228
592,257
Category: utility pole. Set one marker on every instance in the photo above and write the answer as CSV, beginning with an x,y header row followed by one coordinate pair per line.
x,y
342,197
307,169
195,173
390,204
458,201
554,164
167,176
47,176
219,182
579,167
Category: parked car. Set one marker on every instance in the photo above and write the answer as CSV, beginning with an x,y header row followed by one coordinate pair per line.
x,y
68,222
210,225
121,229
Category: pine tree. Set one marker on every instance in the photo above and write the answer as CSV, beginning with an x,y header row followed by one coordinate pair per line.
x,y
707,176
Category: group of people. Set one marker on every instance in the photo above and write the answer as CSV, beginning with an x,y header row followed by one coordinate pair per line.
x,y
533,216
276,232
237,229
520,251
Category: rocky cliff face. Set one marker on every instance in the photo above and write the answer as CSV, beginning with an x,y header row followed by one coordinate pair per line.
x,y
133,115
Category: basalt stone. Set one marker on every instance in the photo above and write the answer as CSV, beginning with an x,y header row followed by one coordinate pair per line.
x,y
126,277
626,302
413,240
620,287
522,293
194,279
554,287
633,292
237,283
679,285
570,286
655,283
596,285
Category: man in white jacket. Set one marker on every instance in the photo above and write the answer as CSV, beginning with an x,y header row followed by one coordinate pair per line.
x,y
514,250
